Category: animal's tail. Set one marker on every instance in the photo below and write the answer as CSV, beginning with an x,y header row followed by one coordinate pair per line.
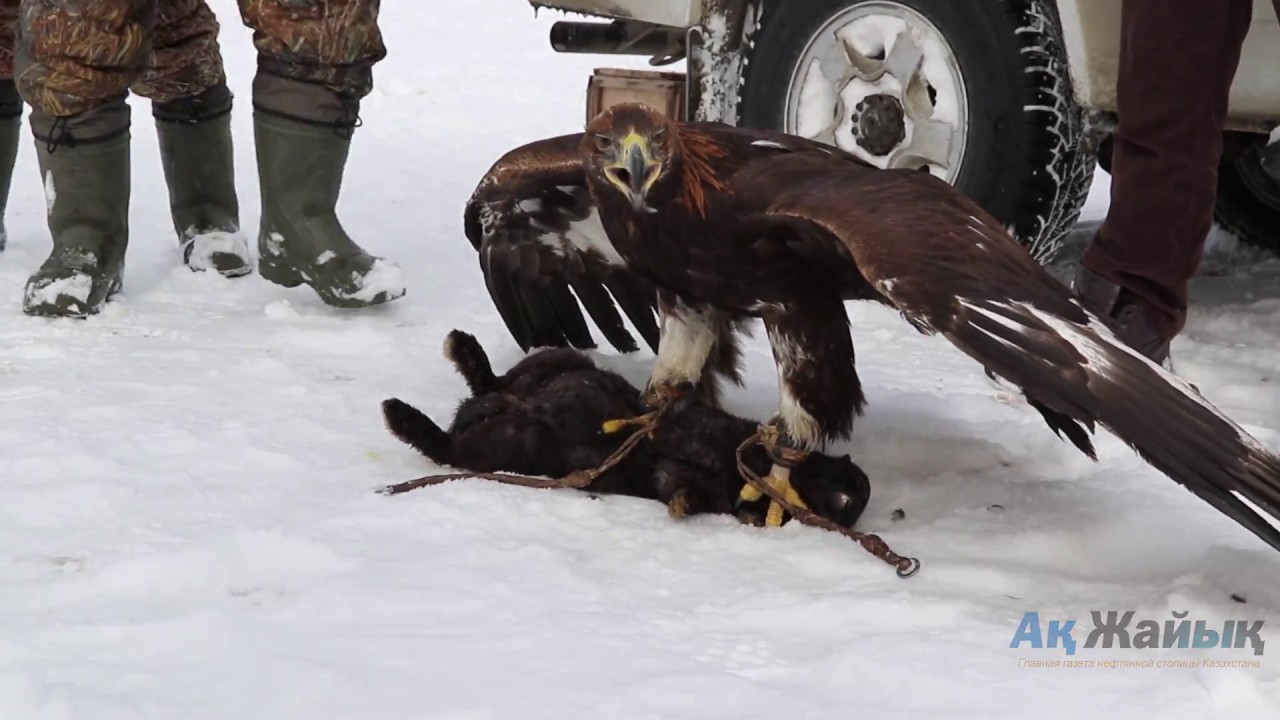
x,y
418,431
1159,415
466,354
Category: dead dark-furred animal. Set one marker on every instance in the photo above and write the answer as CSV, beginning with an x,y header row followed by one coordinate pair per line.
x,y
544,417
709,226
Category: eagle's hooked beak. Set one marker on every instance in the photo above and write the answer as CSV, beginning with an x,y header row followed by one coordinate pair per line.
x,y
634,171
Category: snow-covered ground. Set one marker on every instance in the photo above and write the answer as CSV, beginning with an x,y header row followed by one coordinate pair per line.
x,y
188,527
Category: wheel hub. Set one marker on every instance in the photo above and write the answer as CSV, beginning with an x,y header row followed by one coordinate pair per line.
x,y
879,124
880,81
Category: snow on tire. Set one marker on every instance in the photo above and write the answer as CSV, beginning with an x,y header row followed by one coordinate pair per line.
x,y
978,92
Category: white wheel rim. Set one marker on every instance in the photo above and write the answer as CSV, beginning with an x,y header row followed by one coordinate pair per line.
x,y
839,70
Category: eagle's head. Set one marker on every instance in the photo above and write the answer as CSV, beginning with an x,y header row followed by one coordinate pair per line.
x,y
630,147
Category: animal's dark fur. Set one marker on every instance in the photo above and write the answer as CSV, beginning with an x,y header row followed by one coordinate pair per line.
x,y
544,416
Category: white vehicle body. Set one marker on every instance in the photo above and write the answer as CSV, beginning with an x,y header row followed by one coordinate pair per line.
x,y
1091,29
672,13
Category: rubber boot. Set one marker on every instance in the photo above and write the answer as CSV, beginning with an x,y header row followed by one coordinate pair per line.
x,y
10,136
302,144
196,153
84,162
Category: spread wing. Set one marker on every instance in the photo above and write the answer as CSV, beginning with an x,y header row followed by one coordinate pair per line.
x,y
535,228
950,270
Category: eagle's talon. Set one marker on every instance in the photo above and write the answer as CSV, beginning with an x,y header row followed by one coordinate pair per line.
x,y
784,457
779,479
775,515
609,427
663,394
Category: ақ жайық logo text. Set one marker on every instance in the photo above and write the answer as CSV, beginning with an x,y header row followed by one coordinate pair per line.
x,y
1117,629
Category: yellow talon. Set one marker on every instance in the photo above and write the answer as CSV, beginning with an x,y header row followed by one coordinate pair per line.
x,y
794,498
779,479
773,518
612,426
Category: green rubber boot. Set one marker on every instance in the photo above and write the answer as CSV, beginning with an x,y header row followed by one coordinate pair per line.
x,y
10,136
301,240
196,153
86,183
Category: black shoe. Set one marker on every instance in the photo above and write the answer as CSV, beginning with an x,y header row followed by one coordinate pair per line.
x,y
1123,311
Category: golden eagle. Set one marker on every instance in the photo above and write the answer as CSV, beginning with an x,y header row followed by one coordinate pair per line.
x,y
716,225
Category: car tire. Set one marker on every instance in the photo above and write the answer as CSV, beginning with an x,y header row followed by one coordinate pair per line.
x,y
1024,157
1248,203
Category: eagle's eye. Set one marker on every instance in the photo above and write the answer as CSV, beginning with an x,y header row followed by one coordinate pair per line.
x,y
603,142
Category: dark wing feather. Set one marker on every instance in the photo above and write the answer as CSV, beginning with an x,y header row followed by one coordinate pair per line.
x,y
950,269
545,257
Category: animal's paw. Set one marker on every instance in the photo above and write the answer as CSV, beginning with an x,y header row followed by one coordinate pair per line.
x,y
678,505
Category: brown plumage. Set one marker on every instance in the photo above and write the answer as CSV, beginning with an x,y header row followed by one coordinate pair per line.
x,y
785,230
699,151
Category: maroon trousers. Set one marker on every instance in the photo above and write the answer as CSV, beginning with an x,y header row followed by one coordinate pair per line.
x,y
1177,62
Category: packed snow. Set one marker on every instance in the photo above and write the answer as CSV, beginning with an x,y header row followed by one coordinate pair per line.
x,y
189,526
205,246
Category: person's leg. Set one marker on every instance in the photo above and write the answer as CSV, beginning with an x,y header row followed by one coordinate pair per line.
x,y
1177,61
75,62
191,105
315,60
10,108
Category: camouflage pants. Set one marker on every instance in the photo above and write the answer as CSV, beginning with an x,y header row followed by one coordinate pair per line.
x,y
8,31
334,43
74,55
